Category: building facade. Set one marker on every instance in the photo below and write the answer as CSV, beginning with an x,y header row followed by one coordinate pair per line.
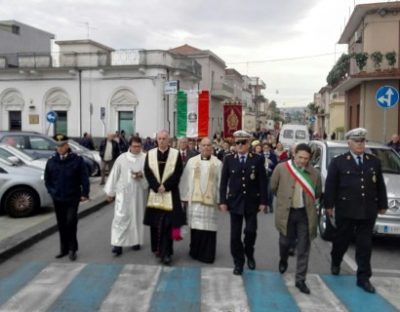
x,y
94,89
372,28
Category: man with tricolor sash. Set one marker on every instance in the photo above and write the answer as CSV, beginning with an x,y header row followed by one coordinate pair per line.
x,y
297,186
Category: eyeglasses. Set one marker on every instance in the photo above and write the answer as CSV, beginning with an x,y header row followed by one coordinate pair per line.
x,y
359,140
242,142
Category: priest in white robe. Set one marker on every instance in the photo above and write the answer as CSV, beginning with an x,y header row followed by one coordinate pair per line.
x,y
199,188
127,184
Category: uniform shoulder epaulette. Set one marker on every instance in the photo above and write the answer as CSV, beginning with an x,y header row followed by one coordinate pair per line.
x,y
370,156
52,156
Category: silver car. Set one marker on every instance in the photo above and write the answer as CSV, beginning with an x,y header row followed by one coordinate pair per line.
x,y
22,189
18,156
386,224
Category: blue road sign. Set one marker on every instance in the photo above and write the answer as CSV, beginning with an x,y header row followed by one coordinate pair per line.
x,y
387,97
312,119
51,117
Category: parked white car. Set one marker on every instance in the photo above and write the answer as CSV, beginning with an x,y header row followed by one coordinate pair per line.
x,y
386,224
22,189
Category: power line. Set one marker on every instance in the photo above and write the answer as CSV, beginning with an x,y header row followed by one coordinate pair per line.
x,y
284,59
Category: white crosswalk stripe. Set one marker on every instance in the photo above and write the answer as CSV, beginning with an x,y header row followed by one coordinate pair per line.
x,y
222,291
132,288
44,289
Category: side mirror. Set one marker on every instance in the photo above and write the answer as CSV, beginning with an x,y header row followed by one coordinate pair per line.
x,y
14,160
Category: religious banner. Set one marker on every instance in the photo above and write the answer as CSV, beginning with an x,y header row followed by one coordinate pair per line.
x,y
192,114
232,119
204,102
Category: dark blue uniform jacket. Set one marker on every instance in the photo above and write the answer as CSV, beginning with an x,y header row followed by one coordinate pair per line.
x,y
243,188
355,193
67,179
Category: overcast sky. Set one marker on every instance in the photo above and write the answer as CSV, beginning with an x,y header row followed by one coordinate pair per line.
x,y
279,41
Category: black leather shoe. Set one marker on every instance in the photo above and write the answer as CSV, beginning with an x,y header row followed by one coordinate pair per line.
x,y
303,287
61,255
282,266
72,255
251,263
367,286
238,270
117,251
167,260
136,247
335,269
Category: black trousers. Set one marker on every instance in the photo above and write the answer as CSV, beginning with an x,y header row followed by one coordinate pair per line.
x,y
238,248
297,230
346,228
161,237
67,221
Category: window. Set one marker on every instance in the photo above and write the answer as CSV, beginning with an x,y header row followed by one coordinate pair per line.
x,y
288,134
126,122
300,134
15,120
60,125
38,143
17,141
15,29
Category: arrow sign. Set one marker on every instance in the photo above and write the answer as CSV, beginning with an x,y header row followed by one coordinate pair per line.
x,y
51,117
387,97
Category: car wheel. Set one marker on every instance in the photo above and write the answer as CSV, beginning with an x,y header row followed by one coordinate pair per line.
x,y
20,202
322,222
96,171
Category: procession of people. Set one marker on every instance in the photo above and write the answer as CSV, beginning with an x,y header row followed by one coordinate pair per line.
x,y
168,189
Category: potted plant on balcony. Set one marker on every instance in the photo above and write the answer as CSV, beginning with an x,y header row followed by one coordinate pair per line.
x,y
377,58
361,60
391,59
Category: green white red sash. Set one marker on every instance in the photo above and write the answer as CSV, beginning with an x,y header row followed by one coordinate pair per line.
x,y
302,178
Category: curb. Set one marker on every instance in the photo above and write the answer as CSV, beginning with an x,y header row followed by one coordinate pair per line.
x,y
14,244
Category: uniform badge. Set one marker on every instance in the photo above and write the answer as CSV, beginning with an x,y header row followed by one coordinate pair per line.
x,y
374,178
252,176
348,157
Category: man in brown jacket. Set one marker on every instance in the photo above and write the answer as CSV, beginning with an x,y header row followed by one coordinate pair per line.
x,y
297,185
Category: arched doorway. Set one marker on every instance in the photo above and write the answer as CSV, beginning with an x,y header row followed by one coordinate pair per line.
x,y
12,106
123,111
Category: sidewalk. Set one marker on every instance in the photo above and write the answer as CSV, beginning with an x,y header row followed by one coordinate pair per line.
x,y
17,234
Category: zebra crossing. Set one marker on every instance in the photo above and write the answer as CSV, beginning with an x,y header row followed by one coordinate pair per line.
x,y
41,286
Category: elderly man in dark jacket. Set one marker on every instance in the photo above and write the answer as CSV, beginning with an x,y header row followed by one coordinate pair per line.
x,y
355,189
67,181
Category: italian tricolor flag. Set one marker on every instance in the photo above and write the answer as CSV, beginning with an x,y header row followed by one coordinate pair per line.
x,y
192,114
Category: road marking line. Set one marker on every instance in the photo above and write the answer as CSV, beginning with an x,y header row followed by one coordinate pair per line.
x,y
353,297
389,288
11,284
320,299
178,289
133,289
222,291
44,289
267,291
87,291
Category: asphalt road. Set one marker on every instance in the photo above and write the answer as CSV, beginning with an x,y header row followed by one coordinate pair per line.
x,y
94,247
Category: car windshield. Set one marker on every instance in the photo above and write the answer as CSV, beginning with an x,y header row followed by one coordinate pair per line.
x,y
300,134
390,161
288,134
20,154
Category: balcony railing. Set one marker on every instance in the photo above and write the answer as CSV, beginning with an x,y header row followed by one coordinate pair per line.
x,y
222,91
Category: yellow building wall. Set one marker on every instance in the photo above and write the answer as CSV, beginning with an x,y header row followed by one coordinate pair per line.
x,y
372,116
336,117
381,34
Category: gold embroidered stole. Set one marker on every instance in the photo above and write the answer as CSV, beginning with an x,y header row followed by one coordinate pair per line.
x,y
161,201
208,197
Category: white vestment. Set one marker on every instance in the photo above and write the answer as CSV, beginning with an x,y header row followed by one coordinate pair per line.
x,y
199,215
130,199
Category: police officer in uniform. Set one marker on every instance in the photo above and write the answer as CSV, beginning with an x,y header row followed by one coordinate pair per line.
x,y
356,191
67,181
243,192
